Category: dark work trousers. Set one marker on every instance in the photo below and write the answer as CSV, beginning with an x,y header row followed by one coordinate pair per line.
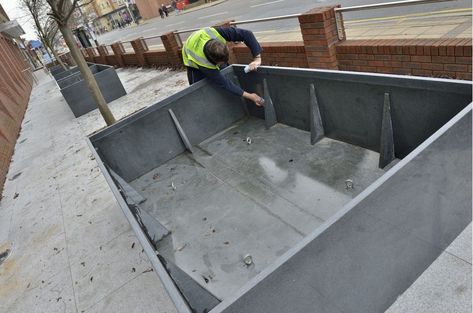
x,y
194,75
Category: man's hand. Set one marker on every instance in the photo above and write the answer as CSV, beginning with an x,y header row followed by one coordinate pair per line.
x,y
255,64
254,97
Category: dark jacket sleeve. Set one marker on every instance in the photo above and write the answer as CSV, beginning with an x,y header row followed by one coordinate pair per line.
x,y
238,34
217,78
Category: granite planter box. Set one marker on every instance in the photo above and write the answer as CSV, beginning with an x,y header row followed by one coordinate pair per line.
x,y
334,197
77,94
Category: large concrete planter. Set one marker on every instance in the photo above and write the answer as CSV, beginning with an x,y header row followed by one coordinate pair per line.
x,y
77,95
335,197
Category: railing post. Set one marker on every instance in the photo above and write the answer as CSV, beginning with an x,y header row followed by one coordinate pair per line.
x,y
118,51
103,52
91,53
84,54
320,35
140,47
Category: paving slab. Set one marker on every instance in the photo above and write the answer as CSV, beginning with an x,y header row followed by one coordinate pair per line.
x,y
72,248
445,287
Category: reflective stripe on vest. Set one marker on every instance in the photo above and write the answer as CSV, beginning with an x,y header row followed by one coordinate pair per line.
x,y
193,50
197,58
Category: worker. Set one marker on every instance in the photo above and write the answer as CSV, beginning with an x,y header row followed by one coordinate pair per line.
x,y
205,53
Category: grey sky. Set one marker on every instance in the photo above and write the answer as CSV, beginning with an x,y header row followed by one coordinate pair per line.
x,y
14,12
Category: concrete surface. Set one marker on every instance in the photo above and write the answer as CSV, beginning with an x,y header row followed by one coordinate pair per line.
x,y
73,250
77,94
249,193
445,287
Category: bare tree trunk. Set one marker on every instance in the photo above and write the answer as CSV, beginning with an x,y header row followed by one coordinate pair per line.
x,y
54,52
87,75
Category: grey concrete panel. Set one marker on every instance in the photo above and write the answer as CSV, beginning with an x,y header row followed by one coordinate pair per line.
x,y
56,69
78,96
366,258
207,111
148,139
433,203
199,299
69,80
134,150
269,112
63,74
351,104
316,126
261,198
386,154
60,74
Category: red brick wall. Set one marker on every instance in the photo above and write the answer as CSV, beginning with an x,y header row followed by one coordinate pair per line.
x,y
449,58
157,58
130,59
290,54
15,89
111,60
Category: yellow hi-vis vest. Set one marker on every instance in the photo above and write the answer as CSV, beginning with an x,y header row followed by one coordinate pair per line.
x,y
193,50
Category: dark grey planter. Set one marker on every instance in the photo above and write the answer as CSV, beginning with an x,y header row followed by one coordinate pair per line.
x,y
77,94
335,197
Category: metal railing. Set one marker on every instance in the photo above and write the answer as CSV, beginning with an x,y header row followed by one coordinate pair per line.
x,y
338,16
387,5
339,11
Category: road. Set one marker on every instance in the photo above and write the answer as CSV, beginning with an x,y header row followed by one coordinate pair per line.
x,y
251,9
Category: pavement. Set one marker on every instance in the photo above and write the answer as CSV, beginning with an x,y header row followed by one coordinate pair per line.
x,y
72,250
437,24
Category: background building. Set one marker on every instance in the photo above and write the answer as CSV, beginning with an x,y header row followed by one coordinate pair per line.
x,y
105,15
149,8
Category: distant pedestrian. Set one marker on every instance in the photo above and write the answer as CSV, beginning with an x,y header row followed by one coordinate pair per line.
x,y
174,5
179,6
165,10
161,12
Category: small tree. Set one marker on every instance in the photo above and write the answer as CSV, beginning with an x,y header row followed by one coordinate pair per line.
x,y
46,28
61,12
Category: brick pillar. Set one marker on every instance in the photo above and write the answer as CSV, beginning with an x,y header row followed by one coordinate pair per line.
x,y
319,32
173,49
103,52
91,53
140,47
84,53
231,58
118,51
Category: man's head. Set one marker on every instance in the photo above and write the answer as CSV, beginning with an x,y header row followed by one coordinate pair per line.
x,y
216,51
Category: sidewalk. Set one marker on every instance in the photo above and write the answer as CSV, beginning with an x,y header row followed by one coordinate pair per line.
x,y
439,24
72,248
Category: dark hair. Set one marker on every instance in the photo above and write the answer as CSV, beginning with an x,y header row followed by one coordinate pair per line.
x,y
216,51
